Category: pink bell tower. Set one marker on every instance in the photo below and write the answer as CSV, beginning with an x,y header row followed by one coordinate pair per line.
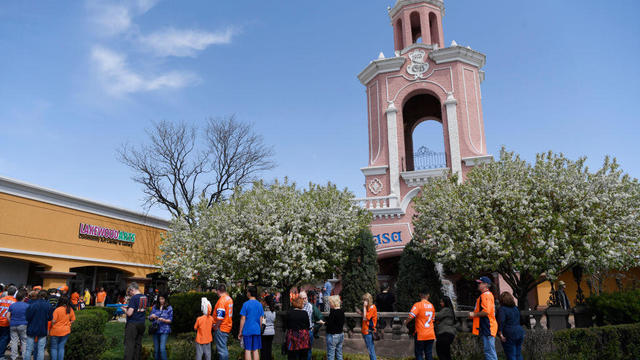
x,y
424,82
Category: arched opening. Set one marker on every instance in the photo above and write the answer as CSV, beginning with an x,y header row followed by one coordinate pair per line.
x,y
416,30
95,277
423,133
399,35
20,272
433,25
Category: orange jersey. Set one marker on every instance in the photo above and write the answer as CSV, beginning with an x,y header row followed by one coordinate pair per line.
x,y
203,329
486,325
61,323
371,316
424,313
5,302
224,312
75,297
101,296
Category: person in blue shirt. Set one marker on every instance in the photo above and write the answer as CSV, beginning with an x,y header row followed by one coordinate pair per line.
x,y
509,329
18,324
162,313
250,325
136,316
326,292
38,315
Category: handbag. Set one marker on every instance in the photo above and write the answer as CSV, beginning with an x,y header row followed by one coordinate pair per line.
x,y
153,328
375,335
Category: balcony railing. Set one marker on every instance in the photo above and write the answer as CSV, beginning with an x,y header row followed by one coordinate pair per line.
x,y
425,159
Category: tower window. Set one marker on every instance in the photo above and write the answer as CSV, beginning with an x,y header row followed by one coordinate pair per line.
x,y
399,35
416,30
433,25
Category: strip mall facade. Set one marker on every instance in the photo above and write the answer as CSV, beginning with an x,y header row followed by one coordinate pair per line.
x,y
52,239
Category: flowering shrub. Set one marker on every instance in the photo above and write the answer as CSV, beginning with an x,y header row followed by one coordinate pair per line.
x,y
274,235
531,222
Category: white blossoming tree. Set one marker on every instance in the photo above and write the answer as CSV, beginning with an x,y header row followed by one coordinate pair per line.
x,y
273,235
530,222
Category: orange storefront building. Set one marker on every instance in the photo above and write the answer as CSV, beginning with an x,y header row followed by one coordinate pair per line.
x,y
52,239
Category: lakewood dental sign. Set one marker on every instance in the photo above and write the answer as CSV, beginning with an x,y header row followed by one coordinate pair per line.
x,y
110,235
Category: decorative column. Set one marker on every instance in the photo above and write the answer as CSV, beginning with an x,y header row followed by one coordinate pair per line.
x,y
394,167
425,30
451,105
406,27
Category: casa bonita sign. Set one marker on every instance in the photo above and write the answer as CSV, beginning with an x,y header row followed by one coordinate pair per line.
x,y
105,234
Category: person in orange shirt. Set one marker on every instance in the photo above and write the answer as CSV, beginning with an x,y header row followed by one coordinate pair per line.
x,y
75,298
63,317
369,322
484,318
5,330
203,328
100,297
424,314
222,327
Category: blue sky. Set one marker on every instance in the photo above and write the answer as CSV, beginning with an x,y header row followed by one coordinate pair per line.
x,y
78,80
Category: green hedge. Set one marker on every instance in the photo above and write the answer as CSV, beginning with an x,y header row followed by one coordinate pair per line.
x,y
87,340
606,342
186,309
615,342
616,308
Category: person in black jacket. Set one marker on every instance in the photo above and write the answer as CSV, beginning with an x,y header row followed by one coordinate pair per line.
x,y
335,328
509,329
297,325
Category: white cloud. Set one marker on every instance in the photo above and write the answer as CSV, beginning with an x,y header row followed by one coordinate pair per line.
x,y
116,18
119,79
176,42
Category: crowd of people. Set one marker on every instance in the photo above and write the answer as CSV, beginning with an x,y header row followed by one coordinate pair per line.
x,y
30,316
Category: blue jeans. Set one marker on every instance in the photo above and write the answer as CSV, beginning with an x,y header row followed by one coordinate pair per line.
x,y
334,346
5,333
368,340
513,349
221,345
160,346
489,344
424,349
57,347
310,344
36,346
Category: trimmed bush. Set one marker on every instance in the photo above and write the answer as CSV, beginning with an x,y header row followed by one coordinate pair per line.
x,y
615,342
616,308
606,342
186,309
87,340
416,274
360,274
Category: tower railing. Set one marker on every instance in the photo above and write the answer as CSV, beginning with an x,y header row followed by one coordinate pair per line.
x,y
425,159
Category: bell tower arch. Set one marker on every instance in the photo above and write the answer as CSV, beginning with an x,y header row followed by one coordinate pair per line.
x,y
423,83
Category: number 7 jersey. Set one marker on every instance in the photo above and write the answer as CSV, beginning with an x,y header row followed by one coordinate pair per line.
x,y
424,314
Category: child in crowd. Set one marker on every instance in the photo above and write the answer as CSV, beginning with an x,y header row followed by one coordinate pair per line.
x,y
203,327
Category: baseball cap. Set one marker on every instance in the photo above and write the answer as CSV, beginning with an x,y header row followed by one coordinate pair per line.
x,y
484,279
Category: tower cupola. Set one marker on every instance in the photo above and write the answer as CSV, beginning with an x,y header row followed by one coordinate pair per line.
x,y
417,21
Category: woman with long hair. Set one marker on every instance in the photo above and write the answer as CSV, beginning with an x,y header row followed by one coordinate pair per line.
x,y
445,328
369,314
509,328
297,326
268,327
63,317
162,316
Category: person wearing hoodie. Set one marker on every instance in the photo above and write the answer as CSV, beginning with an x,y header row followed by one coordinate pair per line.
x,y
203,328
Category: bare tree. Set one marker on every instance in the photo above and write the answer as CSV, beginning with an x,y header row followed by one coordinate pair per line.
x,y
181,165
